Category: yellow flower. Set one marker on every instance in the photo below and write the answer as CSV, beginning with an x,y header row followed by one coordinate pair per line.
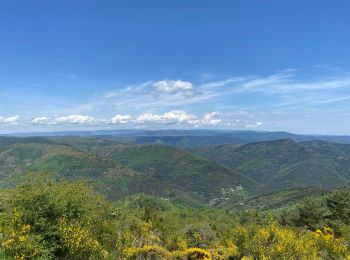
x,y
197,253
22,238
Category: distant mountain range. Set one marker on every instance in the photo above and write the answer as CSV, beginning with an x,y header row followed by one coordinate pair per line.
x,y
120,166
191,138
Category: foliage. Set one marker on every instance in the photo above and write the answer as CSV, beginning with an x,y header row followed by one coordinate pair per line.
x,y
309,214
273,242
196,253
46,219
19,242
338,202
79,241
148,252
39,206
330,246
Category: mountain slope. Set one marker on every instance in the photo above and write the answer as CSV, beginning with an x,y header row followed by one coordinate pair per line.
x,y
283,198
118,170
166,163
179,167
67,162
285,164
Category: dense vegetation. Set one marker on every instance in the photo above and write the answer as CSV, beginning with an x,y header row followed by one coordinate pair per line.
x,y
41,218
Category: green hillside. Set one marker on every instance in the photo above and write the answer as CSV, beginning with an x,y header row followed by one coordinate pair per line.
x,y
67,162
283,198
120,170
179,167
215,174
286,164
276,200
166,163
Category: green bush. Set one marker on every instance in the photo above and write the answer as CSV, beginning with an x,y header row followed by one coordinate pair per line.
x,y
37,207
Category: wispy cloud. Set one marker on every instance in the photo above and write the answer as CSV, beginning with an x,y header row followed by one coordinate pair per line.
x,y
283,90
237,102
332,100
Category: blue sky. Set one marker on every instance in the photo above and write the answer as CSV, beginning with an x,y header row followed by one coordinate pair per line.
x,y
257,65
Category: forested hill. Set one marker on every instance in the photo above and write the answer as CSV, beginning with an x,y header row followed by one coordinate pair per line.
x,y
120,170
284,164
194,176
272,165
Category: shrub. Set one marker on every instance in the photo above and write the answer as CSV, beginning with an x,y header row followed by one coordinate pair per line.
x,y
338,203
195,253
329,246
148,252
19,242
79,242
273,242
225,250
38,207
309,214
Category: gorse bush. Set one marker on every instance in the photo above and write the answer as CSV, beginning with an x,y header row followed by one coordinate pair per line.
x,y
39,207
196,253
329,246
20,242
79,241
273,242
148,252
44,219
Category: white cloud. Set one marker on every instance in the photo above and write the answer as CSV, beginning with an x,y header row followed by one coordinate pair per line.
x,y
175,116
212,118
148,117
174,86
181,117
256,125
70,119
42,121
12,120
121,119
74,119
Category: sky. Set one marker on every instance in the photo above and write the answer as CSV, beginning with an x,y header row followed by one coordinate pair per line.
x,y
168,64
